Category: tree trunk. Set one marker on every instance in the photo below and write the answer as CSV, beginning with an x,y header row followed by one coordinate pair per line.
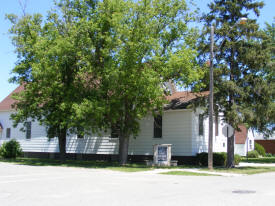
x,y
230,151
123,149
62,145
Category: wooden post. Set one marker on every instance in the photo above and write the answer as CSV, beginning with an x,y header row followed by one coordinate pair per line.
x,y
211,85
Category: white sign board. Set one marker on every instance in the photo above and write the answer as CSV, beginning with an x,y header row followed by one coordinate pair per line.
x,y
162,154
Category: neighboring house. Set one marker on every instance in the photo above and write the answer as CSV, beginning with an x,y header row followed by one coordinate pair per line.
x,y
244,141
267,143
186,129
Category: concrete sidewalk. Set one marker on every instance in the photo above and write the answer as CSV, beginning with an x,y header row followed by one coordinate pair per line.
x,y
195,170
247,164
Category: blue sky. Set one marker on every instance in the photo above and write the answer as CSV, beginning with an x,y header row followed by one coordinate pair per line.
x,y
8,57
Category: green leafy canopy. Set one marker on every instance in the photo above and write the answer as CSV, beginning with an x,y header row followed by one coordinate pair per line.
x,y
92,64
241,78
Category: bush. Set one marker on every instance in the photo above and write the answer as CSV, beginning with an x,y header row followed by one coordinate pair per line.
x,y
237,159
260,149
219,159
10,149
202,158
253,154
268,155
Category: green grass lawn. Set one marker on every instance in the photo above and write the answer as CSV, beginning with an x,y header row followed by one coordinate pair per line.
x,y
79,163
90,164
259,160
139,167
245,170
185,173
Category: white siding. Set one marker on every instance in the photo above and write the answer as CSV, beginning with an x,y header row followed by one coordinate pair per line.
x,y
176,130
200,142
180,128
39,141
241,149
92,145
220,141
37,130
251,137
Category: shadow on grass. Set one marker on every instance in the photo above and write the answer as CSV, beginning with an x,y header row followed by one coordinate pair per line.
x,y
79,163
68,163
133,167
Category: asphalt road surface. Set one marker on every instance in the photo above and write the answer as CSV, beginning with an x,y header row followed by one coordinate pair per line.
x,y
51,186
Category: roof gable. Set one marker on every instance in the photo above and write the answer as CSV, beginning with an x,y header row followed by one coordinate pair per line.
x,y
180,100
240,136
6,104
177,99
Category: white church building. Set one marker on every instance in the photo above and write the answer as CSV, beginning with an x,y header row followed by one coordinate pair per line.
x,y
185,129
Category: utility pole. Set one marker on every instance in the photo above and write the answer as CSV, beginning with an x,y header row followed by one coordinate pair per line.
x,y
211,94
242,21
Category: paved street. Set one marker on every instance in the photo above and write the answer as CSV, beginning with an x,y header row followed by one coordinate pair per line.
x,y
37,185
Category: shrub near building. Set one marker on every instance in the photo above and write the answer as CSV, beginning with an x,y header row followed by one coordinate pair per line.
x,y
219,159
253,154
237,159
260,149
10,149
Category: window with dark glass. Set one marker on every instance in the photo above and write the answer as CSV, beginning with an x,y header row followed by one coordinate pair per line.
x,y
158,126
8,132
28,130
200,124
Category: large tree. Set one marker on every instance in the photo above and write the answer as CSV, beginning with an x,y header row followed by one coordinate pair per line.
x,y
242,54
95,65
137,47
50,67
